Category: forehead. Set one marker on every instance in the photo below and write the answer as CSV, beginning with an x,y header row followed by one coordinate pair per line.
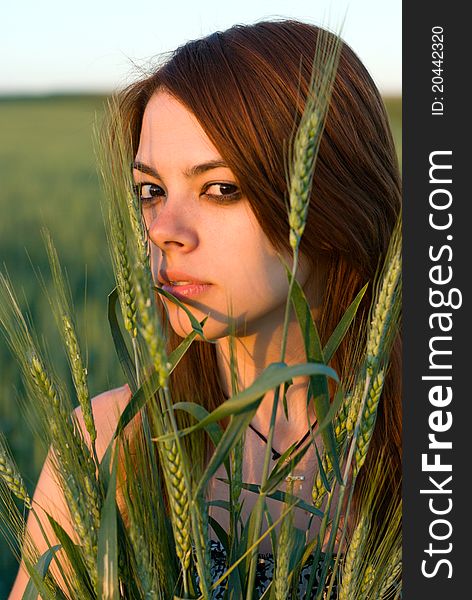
x,y
170,130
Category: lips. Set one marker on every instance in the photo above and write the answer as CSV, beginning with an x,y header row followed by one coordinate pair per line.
x,y
188,285
172,276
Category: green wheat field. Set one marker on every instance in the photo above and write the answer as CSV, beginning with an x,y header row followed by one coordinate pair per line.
x,y
48,179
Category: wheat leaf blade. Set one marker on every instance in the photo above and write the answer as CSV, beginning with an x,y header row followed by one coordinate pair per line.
x,y
121,349
221,534
230,437
284,497
150,387
341,328
279,474
41,567
200,412
196,325
75,557
274,375
318,383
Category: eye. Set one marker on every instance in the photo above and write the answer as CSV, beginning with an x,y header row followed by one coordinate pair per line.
x,y
223,192
147,192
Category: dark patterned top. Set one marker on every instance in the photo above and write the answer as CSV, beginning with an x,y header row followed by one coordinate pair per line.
x,y
264,574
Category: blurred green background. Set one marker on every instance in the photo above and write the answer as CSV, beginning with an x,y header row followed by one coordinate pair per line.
x,y
48,179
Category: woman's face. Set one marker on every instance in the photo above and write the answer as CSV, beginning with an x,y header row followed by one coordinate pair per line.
x,y
202,228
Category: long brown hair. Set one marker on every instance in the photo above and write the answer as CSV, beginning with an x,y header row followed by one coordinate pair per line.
x,y
246,87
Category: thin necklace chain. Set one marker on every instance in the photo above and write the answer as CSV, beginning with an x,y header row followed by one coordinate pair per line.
x,y
276,455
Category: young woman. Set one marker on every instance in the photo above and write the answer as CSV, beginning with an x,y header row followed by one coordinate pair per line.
x,y
211,128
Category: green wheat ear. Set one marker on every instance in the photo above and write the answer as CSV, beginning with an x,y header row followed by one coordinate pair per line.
x,y
284,550
128,242
61,303
353,558
372,564
114,223
179,502
387,305
307,141
10,474
71,458
368,421
392,573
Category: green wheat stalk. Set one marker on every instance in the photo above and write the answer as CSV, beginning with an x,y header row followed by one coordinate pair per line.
x,y
203,567
384,317
341,433
148,544
302,161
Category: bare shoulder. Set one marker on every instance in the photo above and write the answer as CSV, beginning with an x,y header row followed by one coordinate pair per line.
x,y
109,405
49,498
107,408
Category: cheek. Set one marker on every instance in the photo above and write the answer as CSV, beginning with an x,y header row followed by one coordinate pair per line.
x,y
252,266
261,280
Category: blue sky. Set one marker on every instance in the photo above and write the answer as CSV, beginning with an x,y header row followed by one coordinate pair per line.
x,y
53,46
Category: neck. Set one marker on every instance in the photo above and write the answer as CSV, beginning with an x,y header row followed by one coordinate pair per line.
x,y
253,353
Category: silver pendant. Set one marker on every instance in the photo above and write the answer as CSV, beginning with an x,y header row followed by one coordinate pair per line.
x,y
295,481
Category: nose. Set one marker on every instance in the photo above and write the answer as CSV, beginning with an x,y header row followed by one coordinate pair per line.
x,y
172,227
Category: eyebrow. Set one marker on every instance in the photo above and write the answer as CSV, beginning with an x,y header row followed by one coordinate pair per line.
x,y
191,172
